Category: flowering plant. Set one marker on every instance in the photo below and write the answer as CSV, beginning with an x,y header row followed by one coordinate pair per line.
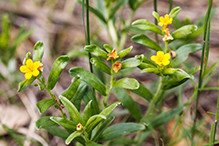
x,y
90,127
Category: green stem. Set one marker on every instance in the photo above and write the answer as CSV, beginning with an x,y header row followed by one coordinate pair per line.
x,y
170,5
165,49
202,62
123,38
88,32
216,118
155,20
154,99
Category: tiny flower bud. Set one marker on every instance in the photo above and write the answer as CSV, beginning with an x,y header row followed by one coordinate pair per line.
x,y
79,127
117,66
113,55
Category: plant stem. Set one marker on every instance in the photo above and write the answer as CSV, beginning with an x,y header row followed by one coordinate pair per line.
x,y
216,118
170,5
88,32
154,99
155,20
202,62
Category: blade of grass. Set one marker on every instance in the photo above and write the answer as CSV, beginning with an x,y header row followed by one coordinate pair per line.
x,y
155,9
170,5
207,18
216,119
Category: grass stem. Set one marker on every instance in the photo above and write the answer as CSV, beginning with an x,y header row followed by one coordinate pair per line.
x,y
207,18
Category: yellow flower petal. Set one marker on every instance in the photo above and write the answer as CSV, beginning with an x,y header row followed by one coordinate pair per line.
x,y
167,56
160,53
35,73
154,58
29,62
24,69
165,62
28,76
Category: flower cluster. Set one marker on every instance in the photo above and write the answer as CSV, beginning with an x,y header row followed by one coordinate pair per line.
x,y
31,68
117,65
164,22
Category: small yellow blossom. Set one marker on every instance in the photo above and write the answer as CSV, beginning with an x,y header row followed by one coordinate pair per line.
x,y
167,36
117,66
161,58
31,68
164,21
79,127
113,55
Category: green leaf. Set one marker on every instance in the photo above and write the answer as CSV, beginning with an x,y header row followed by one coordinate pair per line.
x,y
156,15
93,119
143,92
38,51
96,12
76,53
176,74
92,143
184,31
89,78
151,70
44,122
156,121
88,96
128,83
144,40
73,112
134,4
146,60
21,36
128,102
105,113
116,7
131,62
174,12
122,141
81,91
64,122
143,66
173,83
71,90
103,126
44,104
73,136
26,57
108,48
4,37
125,52
87,111
118,130
24,84
183,52
57,131
56,70
101,65
96,51
146,25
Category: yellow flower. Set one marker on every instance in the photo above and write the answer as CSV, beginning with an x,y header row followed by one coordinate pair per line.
x,y
167,36
31,68
117,66
164,21
113,55
79,127
161,58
